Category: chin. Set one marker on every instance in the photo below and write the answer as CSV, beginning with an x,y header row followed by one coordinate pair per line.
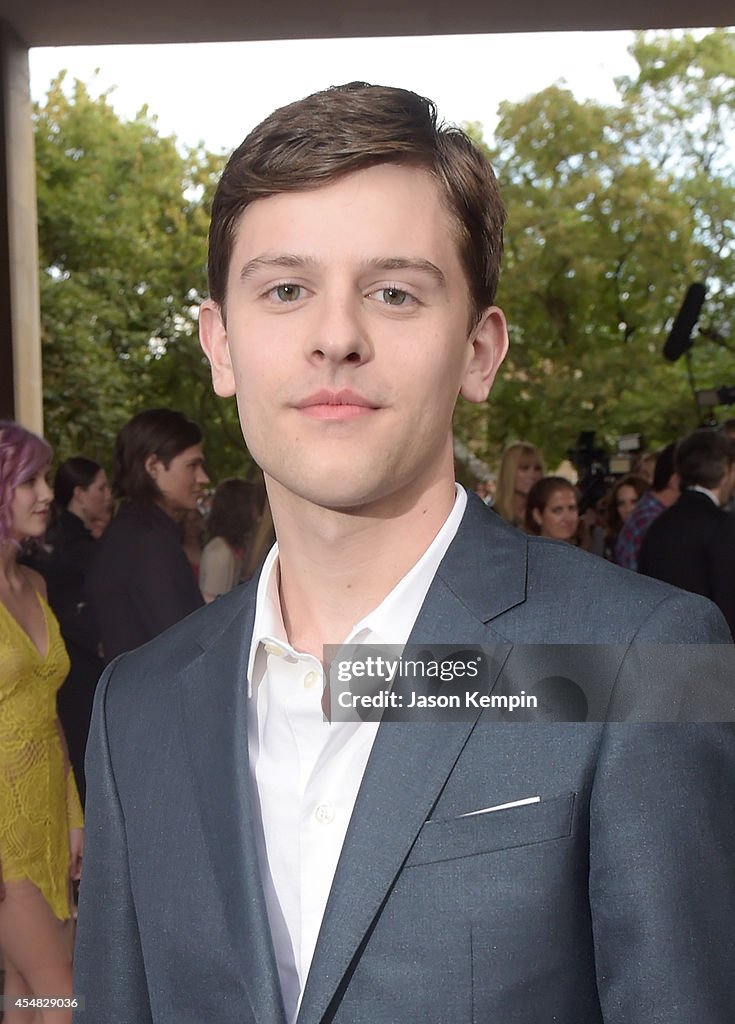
x,y
350,480
341,499
32,533
332,490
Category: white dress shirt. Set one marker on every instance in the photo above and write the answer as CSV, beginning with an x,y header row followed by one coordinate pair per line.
x,y
705,490
306,771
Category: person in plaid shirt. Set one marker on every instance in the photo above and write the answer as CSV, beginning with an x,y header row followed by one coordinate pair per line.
x,y
649,507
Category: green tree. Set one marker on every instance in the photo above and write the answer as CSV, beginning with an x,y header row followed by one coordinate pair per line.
x,y
123,218
612,212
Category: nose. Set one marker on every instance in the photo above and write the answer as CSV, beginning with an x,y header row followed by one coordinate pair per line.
x,y
202,477
340,333
45,493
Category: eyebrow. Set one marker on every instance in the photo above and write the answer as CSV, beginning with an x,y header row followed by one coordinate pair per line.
x,y
290,261
408,263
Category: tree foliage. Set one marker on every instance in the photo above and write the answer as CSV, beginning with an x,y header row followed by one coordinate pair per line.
x,y
123,218
613,210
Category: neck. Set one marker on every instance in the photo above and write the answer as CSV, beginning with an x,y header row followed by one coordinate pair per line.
x,y
9,550
75,508
338,565
176,514
667,496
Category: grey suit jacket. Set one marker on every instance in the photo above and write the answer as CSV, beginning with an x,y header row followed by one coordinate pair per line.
x,y
610,900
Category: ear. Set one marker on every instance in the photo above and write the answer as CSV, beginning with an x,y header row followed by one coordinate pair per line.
x,y
213,339
78,493
489,341
537,517
151,464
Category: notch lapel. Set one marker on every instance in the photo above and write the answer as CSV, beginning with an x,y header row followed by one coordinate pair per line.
x,y
213,710
411,761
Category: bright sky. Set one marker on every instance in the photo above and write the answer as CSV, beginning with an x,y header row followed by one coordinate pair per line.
x,y
216,93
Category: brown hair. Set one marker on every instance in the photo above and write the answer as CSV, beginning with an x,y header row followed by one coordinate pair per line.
x,y
540,495
703,458
234,512
347,128
639,484
162,432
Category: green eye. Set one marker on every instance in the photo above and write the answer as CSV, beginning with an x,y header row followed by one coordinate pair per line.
x,y
288,292
394,296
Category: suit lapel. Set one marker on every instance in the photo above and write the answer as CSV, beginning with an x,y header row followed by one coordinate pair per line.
x,y
410,762
213,709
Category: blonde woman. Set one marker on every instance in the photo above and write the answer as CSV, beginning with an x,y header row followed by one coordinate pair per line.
x,y
520,467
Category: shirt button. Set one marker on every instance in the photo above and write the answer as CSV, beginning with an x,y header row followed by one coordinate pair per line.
x,y
324,814
271,648
310,680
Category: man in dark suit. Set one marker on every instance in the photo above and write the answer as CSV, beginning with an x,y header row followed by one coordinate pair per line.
x,y
692,544
251,859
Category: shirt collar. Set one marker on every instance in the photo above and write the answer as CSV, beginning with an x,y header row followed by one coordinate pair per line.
x,y
704,490
390,623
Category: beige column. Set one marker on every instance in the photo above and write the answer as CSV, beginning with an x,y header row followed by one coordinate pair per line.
x,y
20,320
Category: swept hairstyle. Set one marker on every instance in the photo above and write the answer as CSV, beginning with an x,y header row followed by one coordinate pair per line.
x,y
347,128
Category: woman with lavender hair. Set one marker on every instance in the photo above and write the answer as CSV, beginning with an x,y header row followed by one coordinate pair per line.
x,y
40,815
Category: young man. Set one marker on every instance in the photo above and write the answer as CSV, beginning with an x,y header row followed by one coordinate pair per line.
x,y
251,861
140,581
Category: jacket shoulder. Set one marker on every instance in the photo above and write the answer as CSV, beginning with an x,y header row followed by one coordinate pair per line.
x,y
567,596
150,672
603,603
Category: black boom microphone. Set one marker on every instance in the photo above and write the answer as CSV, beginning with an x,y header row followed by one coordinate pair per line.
x,y
680,338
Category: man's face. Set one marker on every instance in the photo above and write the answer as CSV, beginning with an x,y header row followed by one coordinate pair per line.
x,y
181,482
727,487
347,337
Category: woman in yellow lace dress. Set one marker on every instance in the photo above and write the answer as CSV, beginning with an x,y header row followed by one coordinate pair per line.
x,y
40,816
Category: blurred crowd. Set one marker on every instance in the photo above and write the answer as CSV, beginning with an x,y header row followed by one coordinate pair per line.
x,y
90,569
78,586
670,517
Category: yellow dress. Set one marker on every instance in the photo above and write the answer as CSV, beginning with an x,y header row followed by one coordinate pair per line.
x,y
39,802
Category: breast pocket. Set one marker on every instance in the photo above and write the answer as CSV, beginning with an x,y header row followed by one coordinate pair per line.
x,y
452,838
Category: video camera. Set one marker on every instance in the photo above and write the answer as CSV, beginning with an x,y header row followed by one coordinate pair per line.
x,y
597,469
